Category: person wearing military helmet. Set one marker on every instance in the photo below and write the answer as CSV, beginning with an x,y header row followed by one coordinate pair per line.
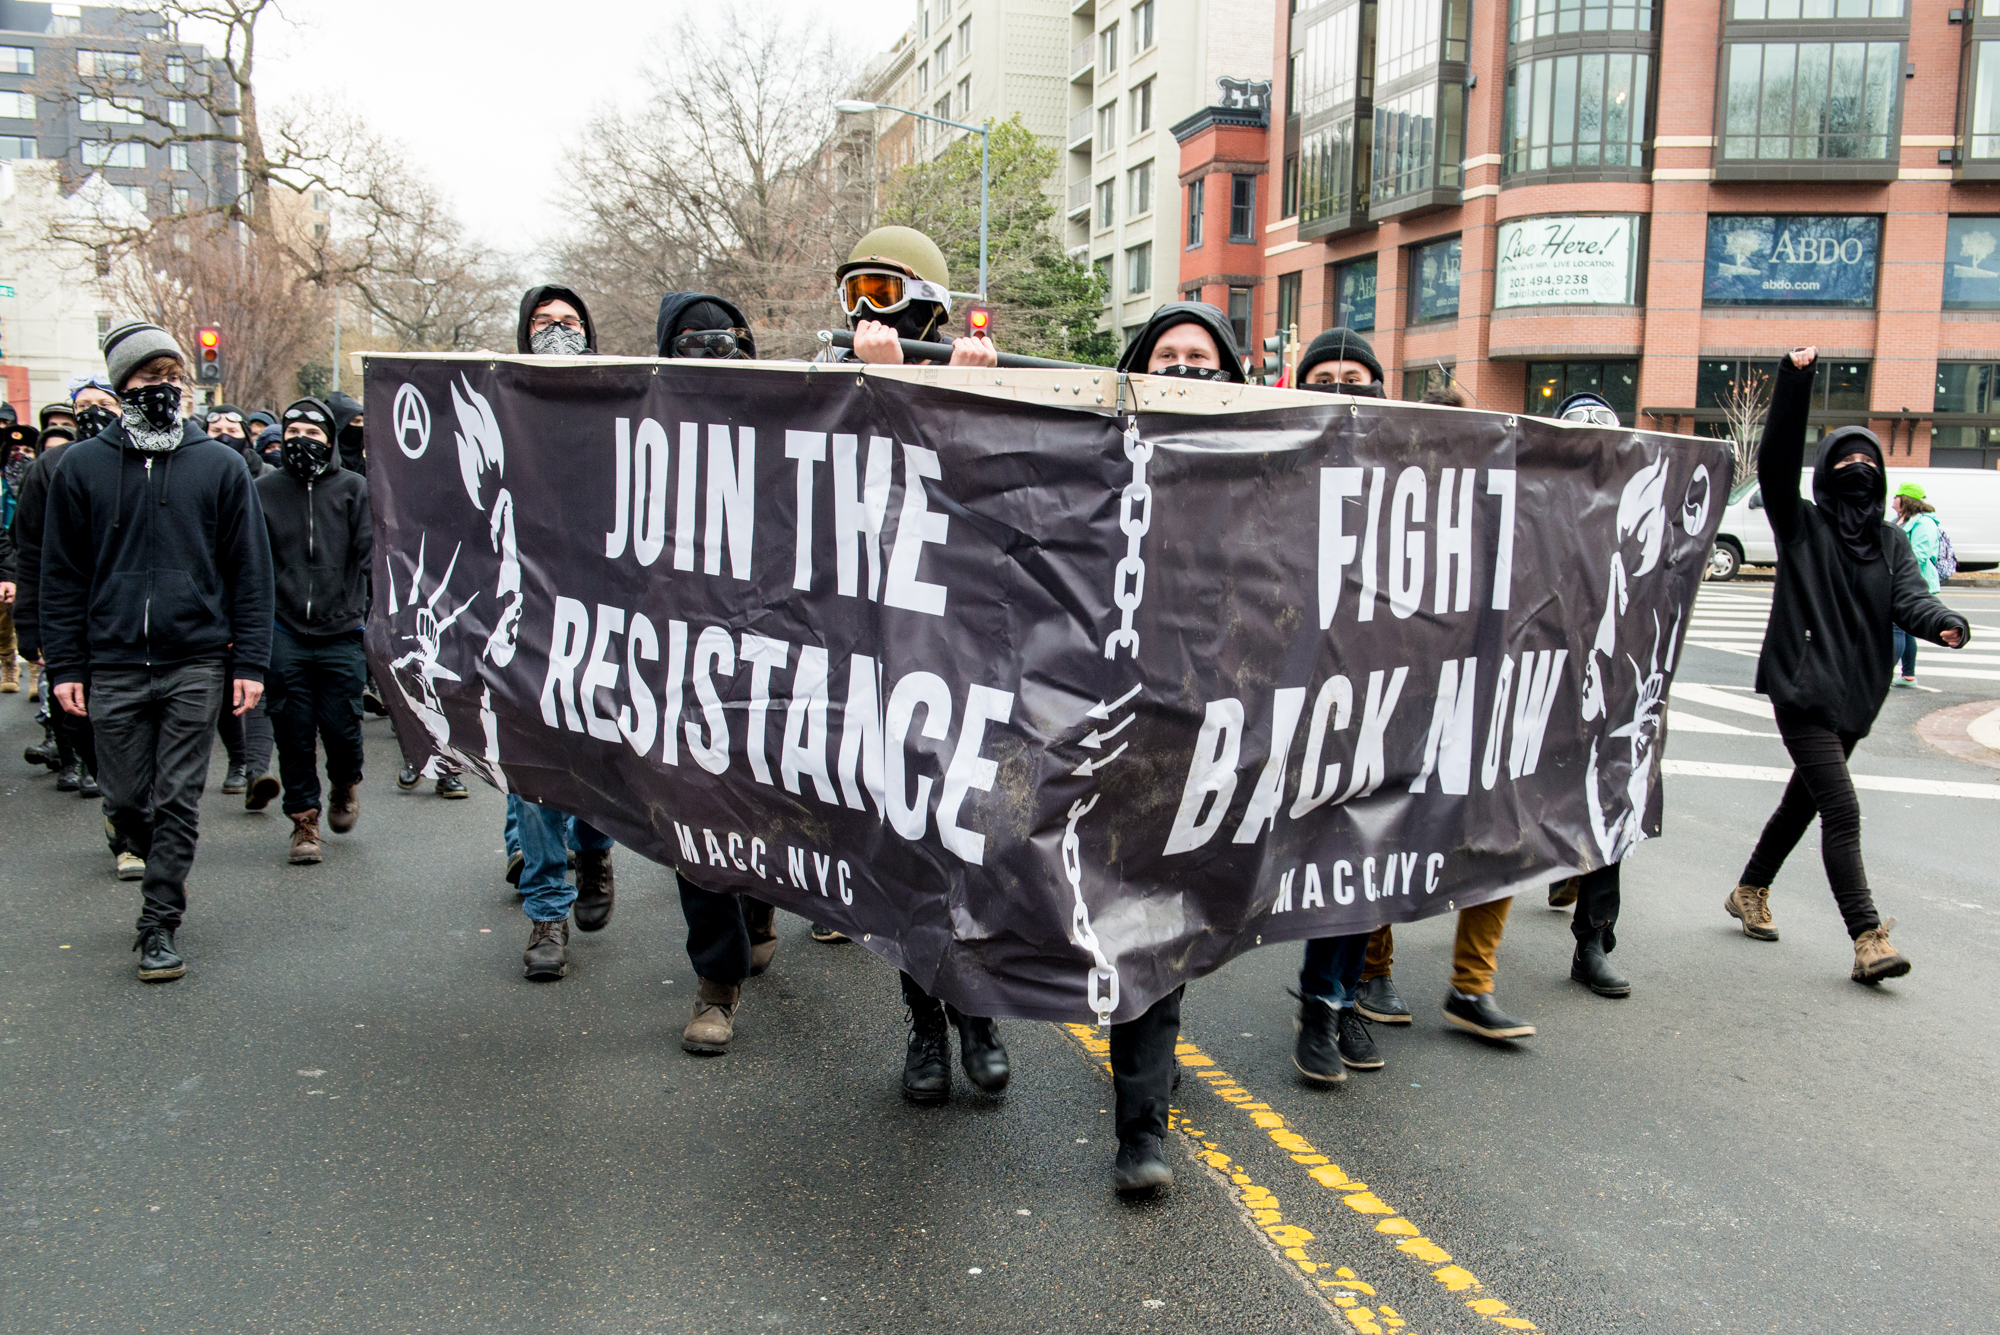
x,y
894,286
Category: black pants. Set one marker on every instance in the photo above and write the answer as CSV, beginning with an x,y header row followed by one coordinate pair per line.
x,y
316,693
246,738
1597,905
155,728
718,942
1819,786
1142,1068
74,739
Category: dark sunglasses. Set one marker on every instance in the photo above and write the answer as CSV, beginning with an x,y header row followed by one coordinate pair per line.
x,y
723,343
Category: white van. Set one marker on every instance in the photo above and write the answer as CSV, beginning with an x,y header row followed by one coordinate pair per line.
x,y
1967,501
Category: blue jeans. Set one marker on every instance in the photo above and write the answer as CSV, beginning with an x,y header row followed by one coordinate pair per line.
x,y
1906,650
546,835
1332,968
510,830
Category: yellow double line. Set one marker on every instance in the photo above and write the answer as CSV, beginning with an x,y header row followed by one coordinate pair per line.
x,y
1340,1284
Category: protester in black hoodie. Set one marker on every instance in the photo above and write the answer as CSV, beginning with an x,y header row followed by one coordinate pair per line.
x,y
1191,339
554,323
316,514
155,572
348,426
1846,578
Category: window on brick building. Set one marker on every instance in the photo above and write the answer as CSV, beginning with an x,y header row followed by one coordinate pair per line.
x,y
1197,195
1811,101
1577,112
1422,381
1549,383
1242,208
1239,317
1327,184
1354,294
1413,34
1288,203
1980,89
1290,287
1970,388
1434,281
1529,19
1840,387
1419,141
1330,66
1816,9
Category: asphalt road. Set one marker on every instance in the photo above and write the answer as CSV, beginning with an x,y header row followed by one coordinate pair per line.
x,y
354,1115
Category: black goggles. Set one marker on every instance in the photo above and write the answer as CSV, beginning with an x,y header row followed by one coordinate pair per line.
x,y
722,343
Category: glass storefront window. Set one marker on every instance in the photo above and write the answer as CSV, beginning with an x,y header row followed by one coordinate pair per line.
x,y
1423,381
1419,141
1966,387
1982,131
1791,260
1434,281
1331,70
1327,186
1354,294
1549,383
1529,19
1577,111
1795,101
1840,386
1971,273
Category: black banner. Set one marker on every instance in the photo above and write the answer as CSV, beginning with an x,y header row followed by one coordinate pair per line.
x,y
1052,697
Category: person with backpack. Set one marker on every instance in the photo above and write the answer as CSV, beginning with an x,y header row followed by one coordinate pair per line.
x,y
1918,519
1845,577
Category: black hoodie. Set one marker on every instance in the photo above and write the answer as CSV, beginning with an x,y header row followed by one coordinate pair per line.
x,y
552,292
345,408
153,560
675,306
1140,350
321,538
1829,644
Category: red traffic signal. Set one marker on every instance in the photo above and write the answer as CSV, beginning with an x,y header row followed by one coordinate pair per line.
x,y
208,351
979,321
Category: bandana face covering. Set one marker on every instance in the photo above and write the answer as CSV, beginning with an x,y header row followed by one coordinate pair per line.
x,y
153,417
1183,371
557,341
94,421
306,458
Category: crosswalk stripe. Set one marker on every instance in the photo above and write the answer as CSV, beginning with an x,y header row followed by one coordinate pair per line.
x,y
1694,693
1880,783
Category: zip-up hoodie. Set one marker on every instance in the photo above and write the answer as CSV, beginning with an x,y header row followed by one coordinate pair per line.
x,y
1829,644
320,543
553,292
154,559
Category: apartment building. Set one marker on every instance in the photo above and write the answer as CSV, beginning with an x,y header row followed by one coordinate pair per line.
x,y
1651,200
1136,69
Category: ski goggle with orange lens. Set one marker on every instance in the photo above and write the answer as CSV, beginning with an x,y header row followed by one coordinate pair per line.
x,y
886,291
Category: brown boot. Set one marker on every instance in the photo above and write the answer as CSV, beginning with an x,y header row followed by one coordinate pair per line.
x,y
547,956
305,837
596,891
344,807
1874,958
1751,906
1563,893
714,1021
10,673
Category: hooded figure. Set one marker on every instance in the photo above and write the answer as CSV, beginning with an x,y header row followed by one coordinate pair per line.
x,y
1336,346
695,324
557,342
1586,407
1139,352
347,425
58,417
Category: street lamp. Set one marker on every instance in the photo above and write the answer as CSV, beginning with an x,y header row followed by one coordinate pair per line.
x,y
854,107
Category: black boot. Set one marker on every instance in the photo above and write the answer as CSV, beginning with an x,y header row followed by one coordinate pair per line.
x,y
1317,1052
1593,969
1141,1168
980,1051
235,779
86,784
927,1065
70,777
159,962
44,752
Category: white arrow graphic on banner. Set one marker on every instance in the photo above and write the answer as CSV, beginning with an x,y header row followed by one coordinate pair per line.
x,y
1095,740
1102,710
1090,767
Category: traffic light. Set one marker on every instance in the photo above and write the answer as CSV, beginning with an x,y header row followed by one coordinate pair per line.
x,y
979,321
208,352
1274,357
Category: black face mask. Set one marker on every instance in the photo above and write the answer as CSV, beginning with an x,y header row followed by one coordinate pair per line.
x,y
94,421
1182,371
1371,390
350,436
159,404
306,458
1856,483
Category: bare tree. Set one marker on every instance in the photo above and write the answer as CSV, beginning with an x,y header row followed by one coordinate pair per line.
x,y
1743,407
730,178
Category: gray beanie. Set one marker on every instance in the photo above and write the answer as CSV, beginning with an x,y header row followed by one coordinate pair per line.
x,y
133,344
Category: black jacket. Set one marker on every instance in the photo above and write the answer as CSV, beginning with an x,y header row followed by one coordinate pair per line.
x,y
154,560
1829,644
29,512
320,543
552,292
1140,350
345,408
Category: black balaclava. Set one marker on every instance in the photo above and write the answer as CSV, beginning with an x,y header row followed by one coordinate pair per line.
x,y
1853,498
348,433
917,321
700,312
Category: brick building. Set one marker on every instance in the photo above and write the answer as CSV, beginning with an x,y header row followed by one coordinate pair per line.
x,y
1646,199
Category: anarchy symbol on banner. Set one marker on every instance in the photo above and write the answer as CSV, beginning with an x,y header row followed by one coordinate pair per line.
x,y
411,414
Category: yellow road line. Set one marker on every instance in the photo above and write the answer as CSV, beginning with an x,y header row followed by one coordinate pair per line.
x,y
1408,1239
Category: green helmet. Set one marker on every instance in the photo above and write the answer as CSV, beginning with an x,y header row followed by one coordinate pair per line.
x,y
902,248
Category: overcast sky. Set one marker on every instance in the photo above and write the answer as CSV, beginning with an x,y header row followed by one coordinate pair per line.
x,y
490,96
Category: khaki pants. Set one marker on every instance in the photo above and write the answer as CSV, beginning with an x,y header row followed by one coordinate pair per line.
x,y
1475,950
10,668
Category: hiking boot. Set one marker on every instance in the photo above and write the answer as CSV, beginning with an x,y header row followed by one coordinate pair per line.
x,y
1563,893
1478,1015
927,1064
515,861
1141,1167
86,785
451,787
981,1055
159,962
10,676
264,790
762,921
1594,971
1874,958
1317,1052
70,777
1378,1001
235,780
130,867
343,808
714,1022
1751,905
547,956
305,837
828,936
596,890
408,778
44,752
1357,1045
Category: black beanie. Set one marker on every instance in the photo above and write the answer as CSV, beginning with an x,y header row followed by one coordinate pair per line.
x,y
1338,345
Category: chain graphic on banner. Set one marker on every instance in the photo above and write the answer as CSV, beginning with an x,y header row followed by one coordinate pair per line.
x,y
1128,588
